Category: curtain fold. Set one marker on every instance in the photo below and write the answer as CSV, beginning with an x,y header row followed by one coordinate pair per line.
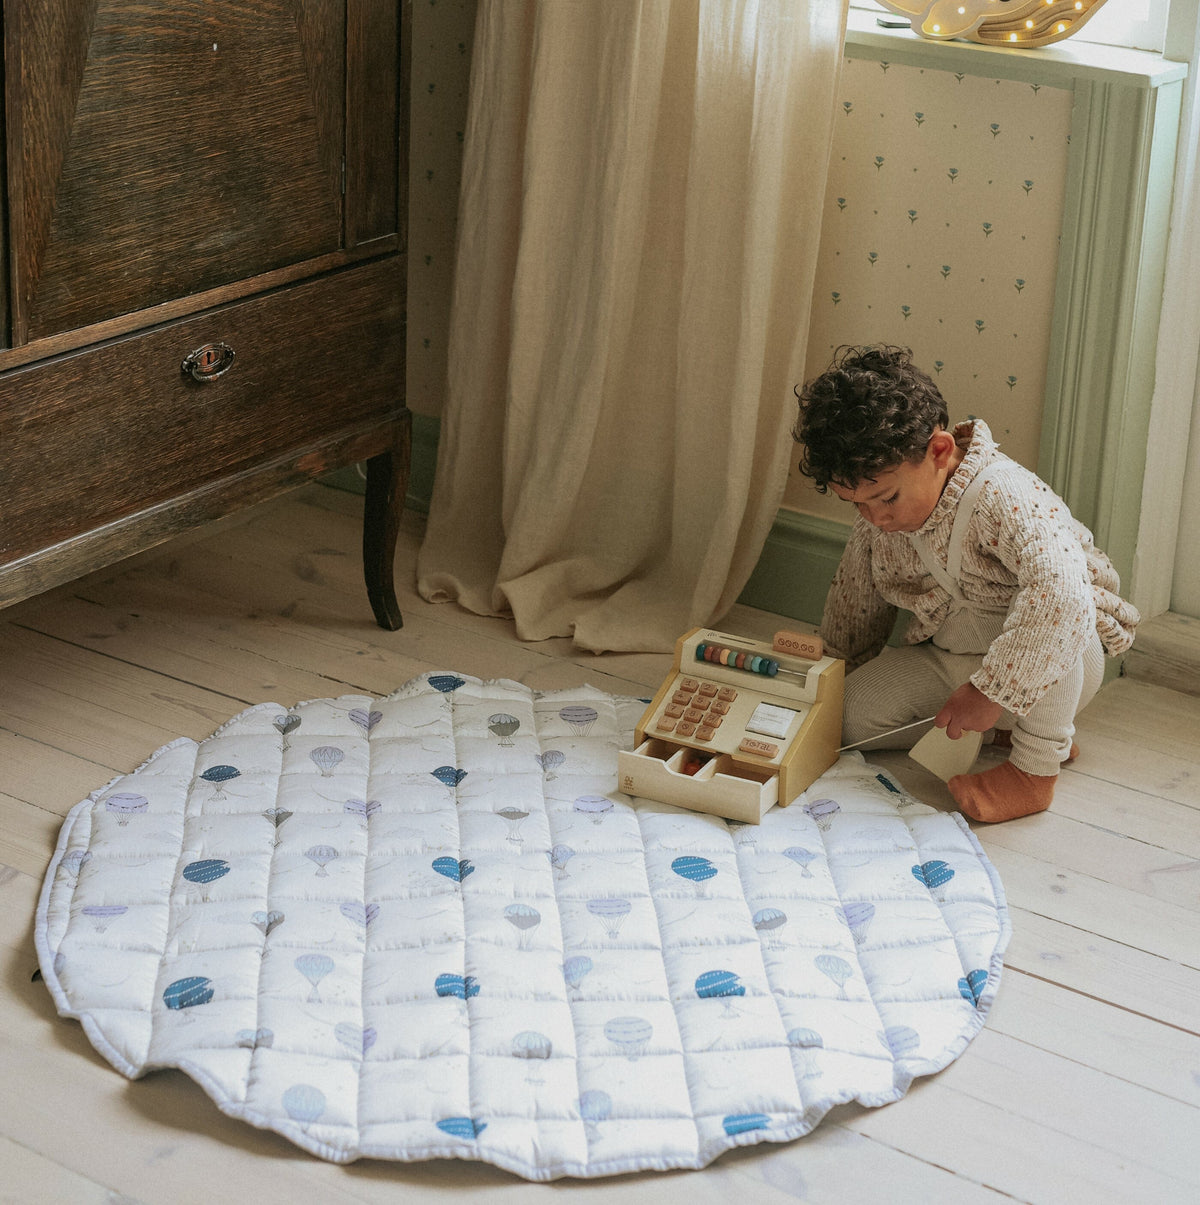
x,y
638,227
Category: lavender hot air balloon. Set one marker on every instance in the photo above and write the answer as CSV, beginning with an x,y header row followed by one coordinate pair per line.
x,y
858,915
366,720
550,761
355,1038
823,812
303,1103
611,913
103,915
560,855
365,809
579,716
359,914
595,807
326,758
124,804
321,856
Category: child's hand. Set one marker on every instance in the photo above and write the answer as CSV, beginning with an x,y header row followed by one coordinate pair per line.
x,y
968,709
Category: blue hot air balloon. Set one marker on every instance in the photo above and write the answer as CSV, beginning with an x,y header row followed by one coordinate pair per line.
x,y
206,870
366,720
933,874
74,861
462,1127
326,758
694,869
971,987
805,1039
321,856
103,915
359,913
524,919
560,855
187,993
252,1039
449,776
858,915
355,1038
770,921
303,1103
576,969
802,857
264,922
218,775
836,969
611,913
529,1044
714,984
595,1108
453,868
743,1123
314,968
900,1040
629,1034
446,683
461,986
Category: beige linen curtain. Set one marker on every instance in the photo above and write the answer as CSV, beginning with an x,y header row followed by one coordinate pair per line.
x,y
641,201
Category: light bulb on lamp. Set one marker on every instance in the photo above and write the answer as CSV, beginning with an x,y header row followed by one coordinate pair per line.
x,y
1025,23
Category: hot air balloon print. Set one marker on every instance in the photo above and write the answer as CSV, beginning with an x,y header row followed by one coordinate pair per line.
x,y
365,719
362,808
355,1038
285,725
576,969
808,1041
744,1123
74,861
326,758
513,817
265,922
720,985
503,726
103,915
595,1108
594,807
455,869
124,804
359,913
579,717
524,919
314,968
462,1127
446,683
462,987
695,869
550,761
252,1039
934,874
188,993
535,1047
823,812
629,1034
449,776
900,1040
560,855
205,871
611,913
769,922
218,776
320,856
802,857
836,969
858,915
303,1103
971,986
277,817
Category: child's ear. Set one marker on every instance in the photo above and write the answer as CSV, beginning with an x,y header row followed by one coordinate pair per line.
x,y
942,448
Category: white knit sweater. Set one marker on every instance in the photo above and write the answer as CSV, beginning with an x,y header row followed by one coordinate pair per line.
x,y
1023,551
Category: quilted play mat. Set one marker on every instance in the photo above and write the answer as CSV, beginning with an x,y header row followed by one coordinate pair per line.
x,y
429,926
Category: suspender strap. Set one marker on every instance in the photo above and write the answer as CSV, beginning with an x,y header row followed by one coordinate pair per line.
x,y
948,575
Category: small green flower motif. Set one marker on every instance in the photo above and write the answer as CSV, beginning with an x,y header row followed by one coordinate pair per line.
x,y
1019,283
847,107
878,162
1011,382
906,310
987,229
953,174
872,256
1027,187
938,365
912,215
958,75
884,64
425,343
995,128
1036,88
836,296
841,202
945,271
979,327
920,118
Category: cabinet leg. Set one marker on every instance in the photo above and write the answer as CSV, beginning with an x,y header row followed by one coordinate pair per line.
x,y
387,484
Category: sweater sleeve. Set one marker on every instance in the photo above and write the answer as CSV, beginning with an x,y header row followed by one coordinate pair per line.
x,y
857,620
1052,614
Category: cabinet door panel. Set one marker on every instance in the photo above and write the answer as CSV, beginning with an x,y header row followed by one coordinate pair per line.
x,y
158,150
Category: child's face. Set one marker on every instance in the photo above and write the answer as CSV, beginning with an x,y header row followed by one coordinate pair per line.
x,y
903,497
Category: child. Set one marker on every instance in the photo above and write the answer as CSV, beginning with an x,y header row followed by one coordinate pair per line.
x,y
1013,606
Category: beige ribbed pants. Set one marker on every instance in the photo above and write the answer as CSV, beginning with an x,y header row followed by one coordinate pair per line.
x,y
909,683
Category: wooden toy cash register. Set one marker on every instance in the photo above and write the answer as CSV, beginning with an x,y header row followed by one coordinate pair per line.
x,y
738,725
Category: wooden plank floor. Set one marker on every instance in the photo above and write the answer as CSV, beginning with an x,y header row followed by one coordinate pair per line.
x,y
1084,1086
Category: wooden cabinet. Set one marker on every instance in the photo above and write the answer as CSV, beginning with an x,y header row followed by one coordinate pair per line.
x,y
204,271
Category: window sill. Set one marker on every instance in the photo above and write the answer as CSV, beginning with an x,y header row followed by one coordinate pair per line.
x,y
1060,65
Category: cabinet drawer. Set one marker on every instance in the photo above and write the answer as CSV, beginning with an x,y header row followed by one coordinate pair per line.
x,y
109,431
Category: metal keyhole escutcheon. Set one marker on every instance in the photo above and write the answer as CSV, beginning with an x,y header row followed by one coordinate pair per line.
x,y
208,362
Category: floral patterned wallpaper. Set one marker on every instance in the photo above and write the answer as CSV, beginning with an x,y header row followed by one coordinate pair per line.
x,y
441,69
940,233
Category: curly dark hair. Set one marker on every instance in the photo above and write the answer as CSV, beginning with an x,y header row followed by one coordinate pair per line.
x,y
871,410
